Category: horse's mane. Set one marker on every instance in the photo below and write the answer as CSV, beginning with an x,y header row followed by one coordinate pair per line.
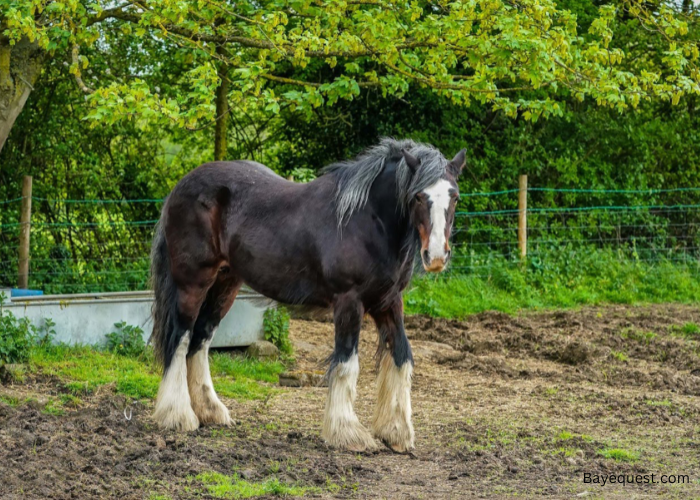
x,y
355,177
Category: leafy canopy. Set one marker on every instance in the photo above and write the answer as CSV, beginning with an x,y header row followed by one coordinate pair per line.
x,y
519,56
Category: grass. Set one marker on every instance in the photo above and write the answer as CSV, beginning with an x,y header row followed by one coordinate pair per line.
x,y
619,355
619,454
638,335
688,330
553,280
238,378
222,486
663,402
9,400
564,436
83,369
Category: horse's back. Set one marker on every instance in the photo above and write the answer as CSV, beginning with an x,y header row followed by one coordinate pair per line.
x,y
232,175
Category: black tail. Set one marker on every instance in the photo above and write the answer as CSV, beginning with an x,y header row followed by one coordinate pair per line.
x,y
164,309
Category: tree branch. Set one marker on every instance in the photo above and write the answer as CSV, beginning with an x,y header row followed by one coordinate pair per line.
x,y
76,62
301,83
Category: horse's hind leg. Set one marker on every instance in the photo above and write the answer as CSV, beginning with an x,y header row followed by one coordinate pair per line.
x,y
341,427
392,417
173,409
205,402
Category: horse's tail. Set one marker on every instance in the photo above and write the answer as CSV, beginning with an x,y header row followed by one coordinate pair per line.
x,y
164,309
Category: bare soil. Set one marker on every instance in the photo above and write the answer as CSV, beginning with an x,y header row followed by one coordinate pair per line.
x,y
503,406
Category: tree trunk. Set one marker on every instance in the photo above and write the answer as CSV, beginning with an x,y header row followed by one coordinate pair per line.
x,y
20,66
221,129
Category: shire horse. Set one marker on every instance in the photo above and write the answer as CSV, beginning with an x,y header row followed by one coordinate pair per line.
x,y
347,241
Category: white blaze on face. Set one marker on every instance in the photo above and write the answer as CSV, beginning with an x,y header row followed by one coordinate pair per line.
x,y
439,195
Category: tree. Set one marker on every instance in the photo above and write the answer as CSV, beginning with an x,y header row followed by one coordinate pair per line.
x,y
485,51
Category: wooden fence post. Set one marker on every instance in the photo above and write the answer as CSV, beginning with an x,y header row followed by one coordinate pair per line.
x,y
24,231
522,217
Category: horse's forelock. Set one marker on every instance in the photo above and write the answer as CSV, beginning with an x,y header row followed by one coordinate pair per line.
x,y
355,177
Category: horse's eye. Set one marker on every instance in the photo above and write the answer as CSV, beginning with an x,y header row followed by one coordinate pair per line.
x,y
419,199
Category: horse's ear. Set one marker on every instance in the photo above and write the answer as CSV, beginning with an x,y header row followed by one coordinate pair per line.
x,y
457,164
412,162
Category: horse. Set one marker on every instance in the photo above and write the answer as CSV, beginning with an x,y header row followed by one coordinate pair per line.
x,y
348,240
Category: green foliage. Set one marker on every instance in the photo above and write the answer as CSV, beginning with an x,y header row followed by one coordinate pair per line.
x,y
127,340
18,336
638,335
12,401
688,330
239,377
514,60
619,355
82,369
222,486
564,436
276,328
596,277
619,454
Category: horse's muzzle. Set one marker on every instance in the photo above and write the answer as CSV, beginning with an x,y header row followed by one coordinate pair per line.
x,y
434,265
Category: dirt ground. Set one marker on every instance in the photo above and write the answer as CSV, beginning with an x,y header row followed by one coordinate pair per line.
x,y
503,406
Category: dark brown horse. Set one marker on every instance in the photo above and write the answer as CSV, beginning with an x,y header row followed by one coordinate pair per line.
x,y
347,241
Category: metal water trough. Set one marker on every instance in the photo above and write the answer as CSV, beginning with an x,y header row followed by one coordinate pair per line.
x,y
85,318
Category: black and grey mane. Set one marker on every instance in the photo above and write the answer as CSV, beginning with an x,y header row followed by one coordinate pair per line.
x,y
355,177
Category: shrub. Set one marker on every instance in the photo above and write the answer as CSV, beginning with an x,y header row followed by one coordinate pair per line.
x,y
18,336
276,328
15,338
127,340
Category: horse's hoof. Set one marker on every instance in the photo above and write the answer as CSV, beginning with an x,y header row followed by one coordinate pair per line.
x,y
353,437
398,438
400,448
176,419
214,413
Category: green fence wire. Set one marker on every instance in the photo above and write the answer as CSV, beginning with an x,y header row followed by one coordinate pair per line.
x,y
85,245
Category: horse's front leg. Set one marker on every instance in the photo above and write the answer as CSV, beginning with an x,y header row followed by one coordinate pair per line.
x,y
341,427
392,418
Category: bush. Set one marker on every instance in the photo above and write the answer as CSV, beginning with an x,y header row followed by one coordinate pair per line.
x,y
276,328
126,341
18,336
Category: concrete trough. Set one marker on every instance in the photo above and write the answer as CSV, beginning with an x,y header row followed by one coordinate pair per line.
x,y
86,318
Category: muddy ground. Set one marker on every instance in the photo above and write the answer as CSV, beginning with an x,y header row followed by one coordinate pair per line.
x,y
503,406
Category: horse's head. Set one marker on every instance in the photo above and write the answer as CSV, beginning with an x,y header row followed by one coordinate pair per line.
x,y
433,210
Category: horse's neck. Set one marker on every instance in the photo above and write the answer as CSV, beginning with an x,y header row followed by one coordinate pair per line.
x,y
386,206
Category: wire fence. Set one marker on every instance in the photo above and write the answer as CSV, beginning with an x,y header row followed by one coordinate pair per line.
x,y
103,245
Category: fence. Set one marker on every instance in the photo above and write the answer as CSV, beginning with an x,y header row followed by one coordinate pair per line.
x,y
73,246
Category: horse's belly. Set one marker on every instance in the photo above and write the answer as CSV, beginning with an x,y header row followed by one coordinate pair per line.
x,y
285,281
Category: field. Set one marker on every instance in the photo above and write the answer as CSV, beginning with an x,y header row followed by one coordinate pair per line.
x,y
504,405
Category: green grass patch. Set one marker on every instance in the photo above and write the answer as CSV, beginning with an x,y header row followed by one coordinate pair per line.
x,y
619,355
82,369
267,371
619,454
9,400
53,407
553,279
688,330
239,377
222,486
664,402
564,436
638,335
